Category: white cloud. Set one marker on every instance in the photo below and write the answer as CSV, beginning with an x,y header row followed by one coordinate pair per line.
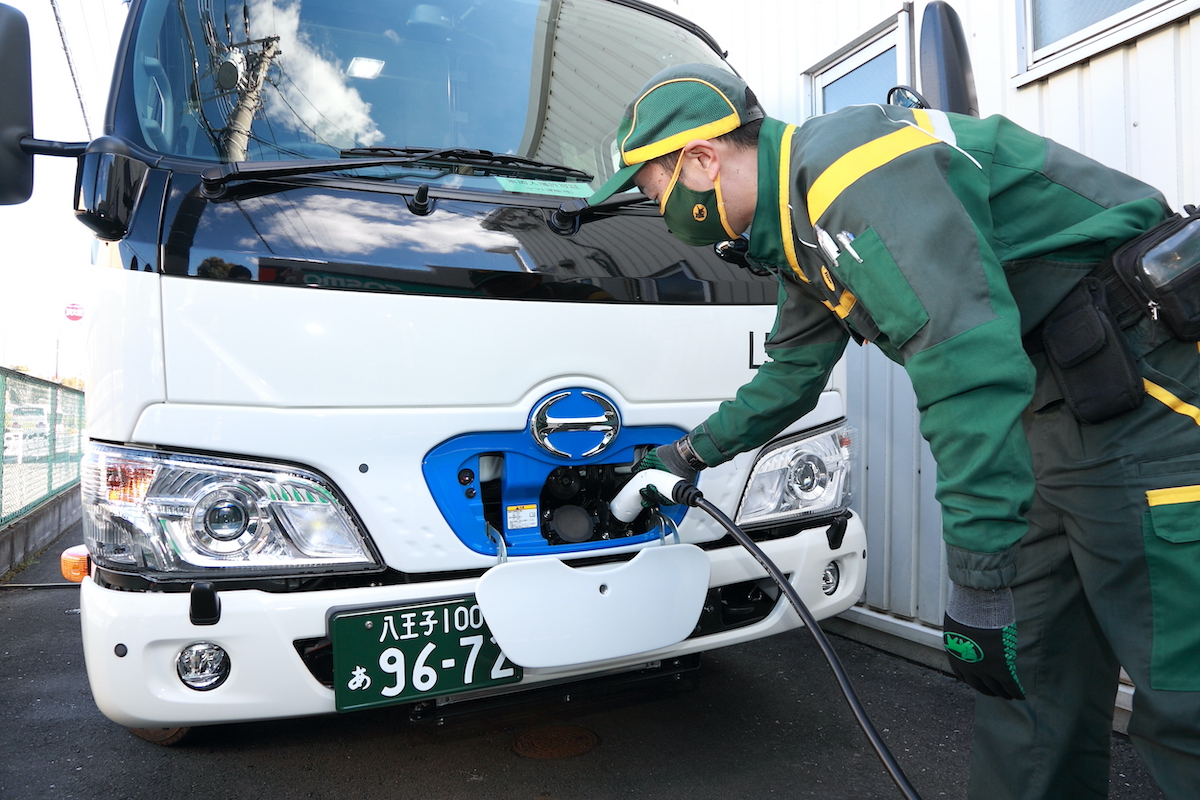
x,y
331,225
341,118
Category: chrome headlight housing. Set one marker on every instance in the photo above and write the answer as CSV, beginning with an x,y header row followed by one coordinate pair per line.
x,y
183,515
803,476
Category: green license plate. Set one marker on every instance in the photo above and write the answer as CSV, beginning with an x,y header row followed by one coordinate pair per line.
x,y
397,655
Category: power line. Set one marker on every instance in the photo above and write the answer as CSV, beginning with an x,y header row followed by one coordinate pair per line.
x,y
62,34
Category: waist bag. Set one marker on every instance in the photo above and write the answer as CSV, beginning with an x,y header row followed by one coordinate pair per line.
x,y
1089,357
1155,274
1161,270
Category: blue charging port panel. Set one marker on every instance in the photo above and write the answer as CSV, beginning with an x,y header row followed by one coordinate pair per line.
x,y
541,503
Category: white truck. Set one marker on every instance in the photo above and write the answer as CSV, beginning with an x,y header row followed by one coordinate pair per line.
x,y
349,362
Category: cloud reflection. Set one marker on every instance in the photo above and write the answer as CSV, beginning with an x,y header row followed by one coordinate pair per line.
x,y
351,226
343,118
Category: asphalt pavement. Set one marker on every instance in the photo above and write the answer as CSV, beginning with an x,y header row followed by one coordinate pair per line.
x,y
757,720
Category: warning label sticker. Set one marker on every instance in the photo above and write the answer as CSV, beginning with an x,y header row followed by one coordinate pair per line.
x,y
522,517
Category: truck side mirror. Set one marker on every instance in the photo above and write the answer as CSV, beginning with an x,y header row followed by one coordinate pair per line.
x,y
906,97
108,183
16,107
947,80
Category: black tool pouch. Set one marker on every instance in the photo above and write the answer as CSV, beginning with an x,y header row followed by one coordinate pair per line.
x,y
1161,268
1089,357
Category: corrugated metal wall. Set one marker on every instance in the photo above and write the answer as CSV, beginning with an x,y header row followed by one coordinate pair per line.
x,y
1131,107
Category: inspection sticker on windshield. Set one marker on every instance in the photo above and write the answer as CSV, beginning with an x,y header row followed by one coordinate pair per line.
x,y
522,517
558,188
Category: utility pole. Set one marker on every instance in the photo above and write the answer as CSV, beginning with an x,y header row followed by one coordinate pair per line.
x,y
237,131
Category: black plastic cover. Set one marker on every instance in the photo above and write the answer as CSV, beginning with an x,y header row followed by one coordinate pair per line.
x,y
16,107
947,81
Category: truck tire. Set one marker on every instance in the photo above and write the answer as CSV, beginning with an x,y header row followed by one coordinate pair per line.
x,y
166,737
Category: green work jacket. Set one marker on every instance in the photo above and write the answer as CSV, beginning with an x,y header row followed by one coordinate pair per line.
x,y
942,239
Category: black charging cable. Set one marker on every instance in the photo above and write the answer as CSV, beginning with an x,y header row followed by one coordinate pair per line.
x,y
688,494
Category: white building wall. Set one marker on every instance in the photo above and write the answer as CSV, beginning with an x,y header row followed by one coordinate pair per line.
x,y
1132,106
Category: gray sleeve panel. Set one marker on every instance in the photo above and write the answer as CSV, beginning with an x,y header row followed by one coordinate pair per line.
x,y
801,319
1087,177
928,237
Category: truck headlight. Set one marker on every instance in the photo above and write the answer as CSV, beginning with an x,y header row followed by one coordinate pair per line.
x,y
180,514
803,476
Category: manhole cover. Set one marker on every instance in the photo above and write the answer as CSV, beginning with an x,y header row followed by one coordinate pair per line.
x,y
557,741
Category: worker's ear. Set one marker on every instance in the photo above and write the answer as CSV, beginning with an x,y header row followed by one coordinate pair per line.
x,y
705,156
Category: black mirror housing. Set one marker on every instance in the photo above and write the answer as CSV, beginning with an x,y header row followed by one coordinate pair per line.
x,y
16,107
108,183
947,80
906,97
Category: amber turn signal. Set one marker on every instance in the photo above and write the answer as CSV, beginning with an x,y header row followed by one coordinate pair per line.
x,y
74,563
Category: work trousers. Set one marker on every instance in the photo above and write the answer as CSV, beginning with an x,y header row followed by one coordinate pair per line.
x,y
1108,577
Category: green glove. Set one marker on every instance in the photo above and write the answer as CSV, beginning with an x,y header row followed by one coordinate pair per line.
x,y
980,635
677,458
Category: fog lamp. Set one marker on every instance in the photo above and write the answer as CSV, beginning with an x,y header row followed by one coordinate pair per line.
x,y
202,666
830,578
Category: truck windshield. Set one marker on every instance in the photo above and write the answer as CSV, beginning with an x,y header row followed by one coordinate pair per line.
x,y
266,80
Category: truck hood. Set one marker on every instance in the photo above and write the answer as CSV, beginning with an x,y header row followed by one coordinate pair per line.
x,y
329,297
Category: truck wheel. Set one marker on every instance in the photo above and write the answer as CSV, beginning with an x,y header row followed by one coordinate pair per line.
x,y
167,737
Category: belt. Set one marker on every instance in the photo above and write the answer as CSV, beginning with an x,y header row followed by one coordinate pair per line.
x,y
1126,309
1123,304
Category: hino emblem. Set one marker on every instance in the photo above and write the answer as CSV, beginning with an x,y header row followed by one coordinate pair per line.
x,y
593,433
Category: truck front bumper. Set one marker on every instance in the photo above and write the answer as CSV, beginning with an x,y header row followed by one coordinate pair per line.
x,y
132,640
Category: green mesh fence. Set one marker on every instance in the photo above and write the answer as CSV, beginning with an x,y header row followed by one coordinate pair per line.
x,y
43,441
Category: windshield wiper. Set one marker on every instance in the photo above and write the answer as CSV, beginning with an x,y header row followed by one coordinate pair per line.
x,y
214,179
567,219
463,156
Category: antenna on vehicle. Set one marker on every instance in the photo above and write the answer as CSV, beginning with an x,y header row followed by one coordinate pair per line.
x,y
420,203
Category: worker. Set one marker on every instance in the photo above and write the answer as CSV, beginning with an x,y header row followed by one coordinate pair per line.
x,y
1062,415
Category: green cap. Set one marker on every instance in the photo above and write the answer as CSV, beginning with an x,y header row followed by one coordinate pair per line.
x,y
679,104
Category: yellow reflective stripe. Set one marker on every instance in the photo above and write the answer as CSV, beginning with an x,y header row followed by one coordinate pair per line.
x,y
721,208
1176,494
921,117
847,300
845,303
662,203
1171,401
709,130
785,202
842,173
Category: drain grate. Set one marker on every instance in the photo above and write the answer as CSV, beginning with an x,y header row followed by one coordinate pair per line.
x,y
555,741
